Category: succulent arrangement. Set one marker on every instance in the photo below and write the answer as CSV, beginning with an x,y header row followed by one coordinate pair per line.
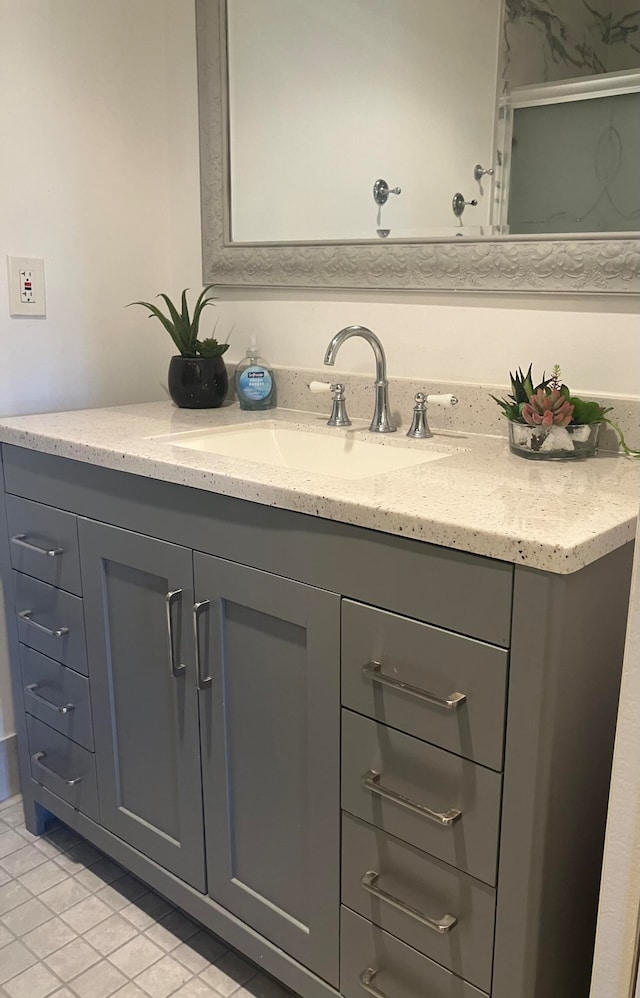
x,y
551,408
183,328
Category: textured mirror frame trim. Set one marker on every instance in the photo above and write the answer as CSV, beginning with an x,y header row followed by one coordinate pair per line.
x,y
499,264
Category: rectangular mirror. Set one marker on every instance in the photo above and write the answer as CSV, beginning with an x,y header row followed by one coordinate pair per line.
x,y
454,144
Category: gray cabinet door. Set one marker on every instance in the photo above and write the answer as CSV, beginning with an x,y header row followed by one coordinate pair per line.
x,y
145,712
270,728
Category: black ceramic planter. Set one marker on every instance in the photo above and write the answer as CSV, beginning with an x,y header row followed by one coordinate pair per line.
x,y
198,382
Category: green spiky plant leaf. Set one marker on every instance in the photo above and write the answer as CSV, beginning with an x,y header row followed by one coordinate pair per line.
x,y
211,347
183,328
522,388
585,411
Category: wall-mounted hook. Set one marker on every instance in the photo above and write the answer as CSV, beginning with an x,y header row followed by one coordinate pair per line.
x,y
458,204
381,191
479,172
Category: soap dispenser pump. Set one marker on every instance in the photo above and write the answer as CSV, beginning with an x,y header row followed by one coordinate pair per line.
x,y
254,380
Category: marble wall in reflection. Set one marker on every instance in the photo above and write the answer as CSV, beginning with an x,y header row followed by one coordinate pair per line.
x,y
548,40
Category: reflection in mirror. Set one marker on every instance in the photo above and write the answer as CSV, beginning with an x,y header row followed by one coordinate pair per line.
x,y
480,118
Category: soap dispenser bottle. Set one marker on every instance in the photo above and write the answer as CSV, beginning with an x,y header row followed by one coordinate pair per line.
x,y
255,383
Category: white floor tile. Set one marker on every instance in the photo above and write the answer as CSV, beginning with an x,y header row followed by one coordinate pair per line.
x,y
70,961
27,916
14,958
73,924
136,955
47,875
172,930
86,914
25,859
64,895
199,951
37,982
163,978
48,938
12,895
228,974
111,934
101,981
10,841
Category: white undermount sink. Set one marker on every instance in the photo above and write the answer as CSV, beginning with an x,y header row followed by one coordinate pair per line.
x,y
284,445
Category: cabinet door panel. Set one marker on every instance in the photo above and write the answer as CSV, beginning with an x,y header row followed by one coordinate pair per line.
x,y
145,717
270,744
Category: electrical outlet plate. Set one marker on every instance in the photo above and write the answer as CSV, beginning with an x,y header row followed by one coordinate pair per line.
x,y
26,286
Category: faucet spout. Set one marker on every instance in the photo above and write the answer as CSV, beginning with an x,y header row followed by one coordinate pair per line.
x,y
381,422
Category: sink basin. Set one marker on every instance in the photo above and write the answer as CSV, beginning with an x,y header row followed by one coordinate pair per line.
x,y
284,445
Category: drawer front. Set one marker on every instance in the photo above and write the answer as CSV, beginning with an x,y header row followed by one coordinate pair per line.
x,y
57,695
63,767
431,669
374,962
51,621
434,800
445,914
44,543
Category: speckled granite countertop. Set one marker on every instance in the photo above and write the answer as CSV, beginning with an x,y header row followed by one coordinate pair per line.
x,y
557,516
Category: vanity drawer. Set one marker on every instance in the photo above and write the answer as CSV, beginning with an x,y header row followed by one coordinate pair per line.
x,y
44,543
51,621
434,800
57,695
447,915
428,666
374,962
63,767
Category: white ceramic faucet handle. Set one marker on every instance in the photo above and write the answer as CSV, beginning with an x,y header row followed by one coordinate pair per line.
x,y
442,400
319,387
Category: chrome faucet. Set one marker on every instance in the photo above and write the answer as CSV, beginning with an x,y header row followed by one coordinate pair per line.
x,y
381,422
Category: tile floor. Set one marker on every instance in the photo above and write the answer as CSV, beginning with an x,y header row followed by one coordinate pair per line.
x,y
75,925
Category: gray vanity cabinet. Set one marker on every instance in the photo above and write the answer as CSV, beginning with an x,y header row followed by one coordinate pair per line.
x,y
269,657
478,715
145,704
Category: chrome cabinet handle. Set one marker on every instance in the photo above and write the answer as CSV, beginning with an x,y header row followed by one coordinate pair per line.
x,y
373,671
37,759
65,708
170,599
27,616
367,977
371,781
198,608
441,925
20,540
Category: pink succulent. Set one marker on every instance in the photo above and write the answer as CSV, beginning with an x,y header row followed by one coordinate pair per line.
x,y
547,409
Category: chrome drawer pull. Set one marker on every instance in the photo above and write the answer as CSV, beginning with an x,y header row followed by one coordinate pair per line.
x,y
198,608
37,759
367,977
170,599
65,708
371,781
27,616
373,671
441,925
20,540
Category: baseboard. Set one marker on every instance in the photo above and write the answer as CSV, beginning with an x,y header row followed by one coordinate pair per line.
x,y
9,778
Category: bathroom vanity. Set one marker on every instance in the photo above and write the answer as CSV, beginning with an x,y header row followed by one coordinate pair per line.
x,y
362,730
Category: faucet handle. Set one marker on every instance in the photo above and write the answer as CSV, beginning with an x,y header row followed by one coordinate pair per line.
x,y
338,415
419,424
444,400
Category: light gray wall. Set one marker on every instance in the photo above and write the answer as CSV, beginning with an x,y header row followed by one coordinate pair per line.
x,y
99,175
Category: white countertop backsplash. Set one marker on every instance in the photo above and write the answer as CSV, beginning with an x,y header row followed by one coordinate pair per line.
x,y
556,516
475,413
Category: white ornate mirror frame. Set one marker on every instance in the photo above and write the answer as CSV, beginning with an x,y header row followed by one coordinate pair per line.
x,y
501,263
